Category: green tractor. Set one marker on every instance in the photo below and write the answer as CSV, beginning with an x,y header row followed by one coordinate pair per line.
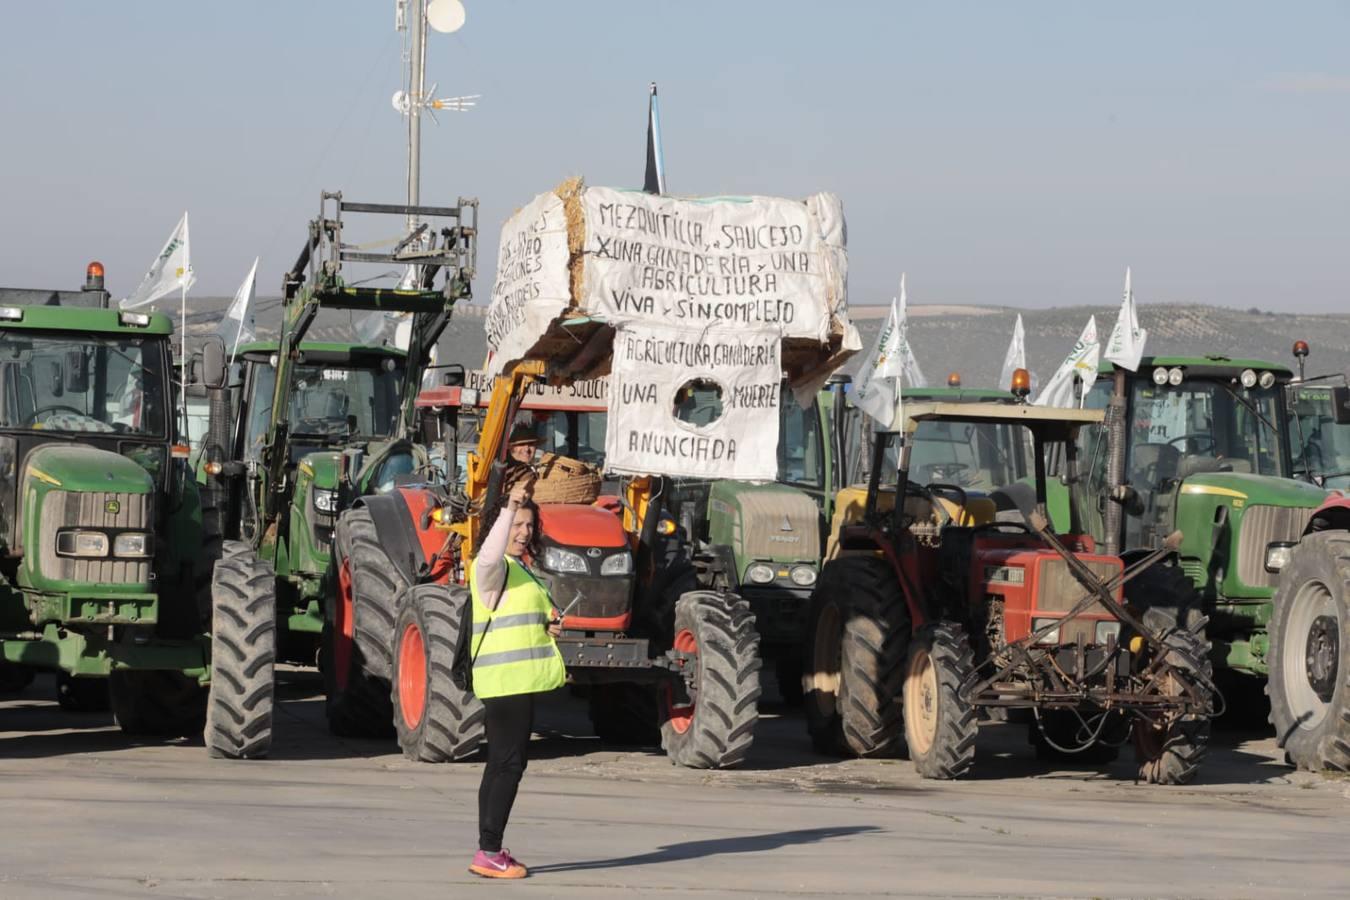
x,y
320,425
1201,445
105,549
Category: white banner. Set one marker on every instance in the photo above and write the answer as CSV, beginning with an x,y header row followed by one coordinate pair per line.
x,y
531,288
698,406
913,377
756,263
1126,345
589,395
239,325
877,388
171,271
1015,358
1081,362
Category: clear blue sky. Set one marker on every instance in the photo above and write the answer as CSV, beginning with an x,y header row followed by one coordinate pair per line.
x,y
1006,153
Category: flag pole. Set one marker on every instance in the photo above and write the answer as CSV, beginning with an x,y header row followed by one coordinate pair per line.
x,y
182,375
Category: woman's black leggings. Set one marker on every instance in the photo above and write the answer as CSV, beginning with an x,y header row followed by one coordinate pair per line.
x,y
508,722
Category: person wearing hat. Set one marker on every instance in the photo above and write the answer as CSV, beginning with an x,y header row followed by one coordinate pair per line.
x,y
523,443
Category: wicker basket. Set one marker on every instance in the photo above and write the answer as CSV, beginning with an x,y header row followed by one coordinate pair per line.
x,y
565,480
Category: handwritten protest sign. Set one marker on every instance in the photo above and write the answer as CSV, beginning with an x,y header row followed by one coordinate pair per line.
x,y
700,405
756,262
531,288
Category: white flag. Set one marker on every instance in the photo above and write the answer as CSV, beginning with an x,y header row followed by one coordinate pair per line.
x,y
171,270
1082,362
913,377
878,391
1126,346
239,325
1015,358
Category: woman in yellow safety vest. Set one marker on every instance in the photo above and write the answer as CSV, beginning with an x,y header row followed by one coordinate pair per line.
x,y
514,658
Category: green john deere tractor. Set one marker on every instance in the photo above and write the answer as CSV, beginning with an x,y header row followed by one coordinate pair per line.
x,y
104,551
319,426
1201,446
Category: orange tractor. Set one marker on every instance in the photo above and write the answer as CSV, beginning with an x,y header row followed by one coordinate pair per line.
x,y
402,559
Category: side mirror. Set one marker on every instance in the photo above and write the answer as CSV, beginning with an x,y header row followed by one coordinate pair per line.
x,y
57,382
213,362
454,376
1340,404
77,372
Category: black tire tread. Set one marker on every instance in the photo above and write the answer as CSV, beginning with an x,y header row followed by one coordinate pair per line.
x,y
953,750
1186,742
726,712
452,723
239,712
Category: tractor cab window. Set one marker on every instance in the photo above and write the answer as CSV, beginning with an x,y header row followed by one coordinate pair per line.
x,y
82,383
1321,448
580,435
977,457
1190,429
799,443
330,401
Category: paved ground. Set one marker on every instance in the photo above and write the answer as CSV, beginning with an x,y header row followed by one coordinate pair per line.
x,y
87,813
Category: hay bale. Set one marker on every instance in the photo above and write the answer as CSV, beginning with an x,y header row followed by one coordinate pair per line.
x,y
569,192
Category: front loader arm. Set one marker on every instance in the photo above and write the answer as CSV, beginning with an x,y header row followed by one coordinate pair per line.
x,y
507,392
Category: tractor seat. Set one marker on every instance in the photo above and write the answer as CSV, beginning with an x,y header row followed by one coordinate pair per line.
x,y
1196,465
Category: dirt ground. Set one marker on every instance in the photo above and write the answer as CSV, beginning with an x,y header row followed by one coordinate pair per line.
x,y
88,812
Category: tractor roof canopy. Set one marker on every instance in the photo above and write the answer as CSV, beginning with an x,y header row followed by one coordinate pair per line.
x,y
1048,422
1203,366
328,352
102,321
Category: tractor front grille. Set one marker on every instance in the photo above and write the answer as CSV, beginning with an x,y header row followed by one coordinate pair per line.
x,y
102,511
601,597
1260,525
1058,591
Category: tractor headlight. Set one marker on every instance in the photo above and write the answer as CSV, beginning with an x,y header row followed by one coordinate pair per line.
x,y
1175,376
135,544
1050,637
803,576
557,559
1248,378
1277,555
759,573
1107,630
326,501
81,543
1267,380
618,564
1160,376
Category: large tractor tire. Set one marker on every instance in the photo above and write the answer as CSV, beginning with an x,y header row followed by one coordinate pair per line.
x,y
1309,683
624,714
436,720
157,703
940,727
82,695
243,657
359,635
1163,588
854,658
1171,750
708,716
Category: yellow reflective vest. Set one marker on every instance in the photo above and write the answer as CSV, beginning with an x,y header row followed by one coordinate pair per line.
x,y
512,651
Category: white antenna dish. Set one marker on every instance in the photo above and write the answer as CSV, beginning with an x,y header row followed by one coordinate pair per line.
x,y
446,16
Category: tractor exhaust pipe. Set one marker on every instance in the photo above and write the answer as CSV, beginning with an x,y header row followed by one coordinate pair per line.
x,y
1117,431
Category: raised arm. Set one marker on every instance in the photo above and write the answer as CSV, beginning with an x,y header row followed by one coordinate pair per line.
x,y
489,568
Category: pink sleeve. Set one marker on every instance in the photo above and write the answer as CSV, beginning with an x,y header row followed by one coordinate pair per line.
x,y
489,568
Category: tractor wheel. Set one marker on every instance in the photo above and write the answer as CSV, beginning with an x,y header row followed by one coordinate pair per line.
x,y
1309,684
624,714
15,678
158,703
854,658
243,655
214,548
708,716
436,720
1170,751
940,727
82,695
1164,588
360,633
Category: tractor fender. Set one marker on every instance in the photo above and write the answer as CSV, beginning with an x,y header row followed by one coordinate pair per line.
x,y
1332,515
397,528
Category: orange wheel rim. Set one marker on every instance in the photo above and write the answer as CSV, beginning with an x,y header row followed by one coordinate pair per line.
x,y
681,715
412,676
343,628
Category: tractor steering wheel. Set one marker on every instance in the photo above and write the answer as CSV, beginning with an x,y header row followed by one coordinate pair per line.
x,y
1196,436
53,407
998,526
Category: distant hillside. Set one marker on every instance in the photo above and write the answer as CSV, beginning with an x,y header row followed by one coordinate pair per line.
x,y
968,339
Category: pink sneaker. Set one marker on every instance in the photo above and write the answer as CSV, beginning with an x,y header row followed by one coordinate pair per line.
x,y
497,865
